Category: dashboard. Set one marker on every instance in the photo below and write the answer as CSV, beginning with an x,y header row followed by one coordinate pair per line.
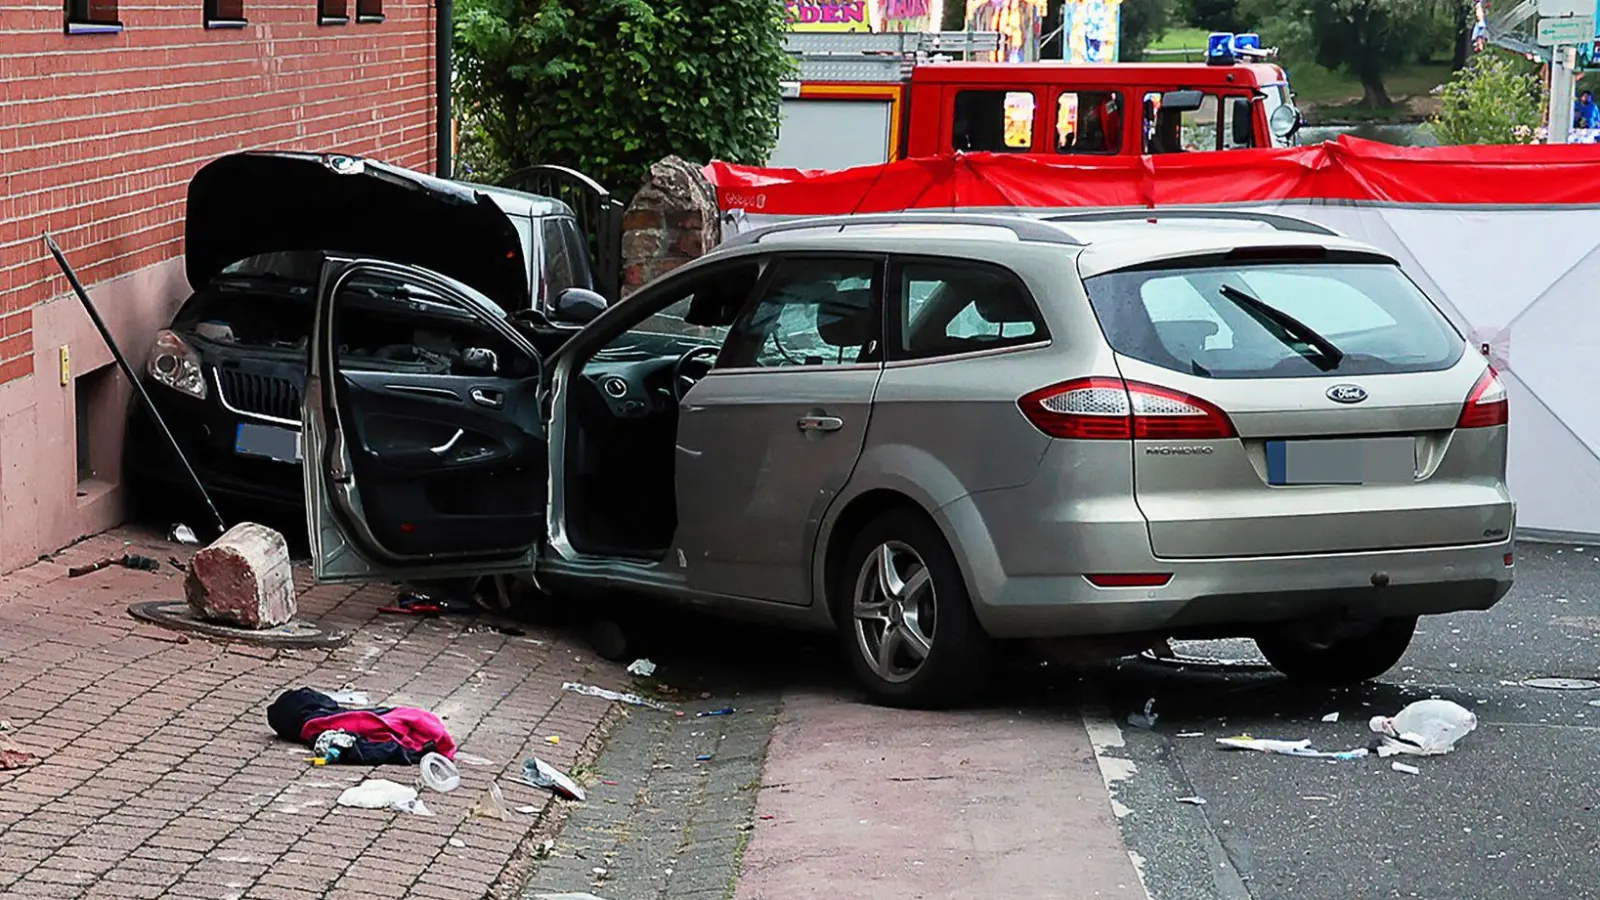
x,y
637,381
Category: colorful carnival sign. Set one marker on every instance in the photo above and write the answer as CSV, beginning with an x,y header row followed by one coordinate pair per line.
x,y
828,15
1019,22
1090,29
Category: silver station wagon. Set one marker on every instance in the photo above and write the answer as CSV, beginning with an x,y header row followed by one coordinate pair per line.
x,y
937,434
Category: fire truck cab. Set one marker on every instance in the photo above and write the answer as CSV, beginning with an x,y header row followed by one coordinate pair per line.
x,y
874,98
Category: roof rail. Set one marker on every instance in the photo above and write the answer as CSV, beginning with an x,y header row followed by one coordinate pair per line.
x,y
1025,229
1276,220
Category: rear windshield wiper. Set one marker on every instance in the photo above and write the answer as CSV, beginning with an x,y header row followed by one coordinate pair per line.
x,y
1269,316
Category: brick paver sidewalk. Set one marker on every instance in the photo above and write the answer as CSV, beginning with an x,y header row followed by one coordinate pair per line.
x,y
158,775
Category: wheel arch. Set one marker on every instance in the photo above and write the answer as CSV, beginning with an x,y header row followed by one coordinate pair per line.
x,y
841,528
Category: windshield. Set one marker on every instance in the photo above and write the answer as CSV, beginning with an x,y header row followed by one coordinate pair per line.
x,y
1274,321
286,265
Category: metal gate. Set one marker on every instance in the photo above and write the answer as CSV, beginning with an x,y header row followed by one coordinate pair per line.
x,y
599,215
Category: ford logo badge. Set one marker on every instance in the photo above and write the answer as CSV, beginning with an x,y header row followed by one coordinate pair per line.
x,y
1347,393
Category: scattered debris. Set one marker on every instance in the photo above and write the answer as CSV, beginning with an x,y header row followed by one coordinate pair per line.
x,y
178,564
1331,717
439,773
1315,797
330,745
1402,767
13,756
528,810
767,818
1426,727
472,759
510,631
1561,684
381,793
599,870
608,782
725,711
1193,801
182,534
457,842
704,757
589,690
1146,719
1191,734
126,560
540,774
491,804
350,698
1289,748
644,668
553,739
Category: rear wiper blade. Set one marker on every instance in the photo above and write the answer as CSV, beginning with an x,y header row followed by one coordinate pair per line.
x,y
1268,314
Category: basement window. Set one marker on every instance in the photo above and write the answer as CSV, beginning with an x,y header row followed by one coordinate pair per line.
x,y
92,17
225,14
333,12
369,10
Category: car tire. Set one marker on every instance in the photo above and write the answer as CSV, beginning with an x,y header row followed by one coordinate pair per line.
x,y
928,666
1347,659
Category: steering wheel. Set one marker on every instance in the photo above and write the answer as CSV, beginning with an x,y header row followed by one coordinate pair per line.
x,y
682,381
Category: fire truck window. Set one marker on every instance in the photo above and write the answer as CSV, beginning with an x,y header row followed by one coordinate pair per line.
x,y
1089,122
1238,132
994,121
1166,131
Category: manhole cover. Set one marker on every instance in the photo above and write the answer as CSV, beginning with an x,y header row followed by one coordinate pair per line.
x,y
1561,684
1233,653
176,615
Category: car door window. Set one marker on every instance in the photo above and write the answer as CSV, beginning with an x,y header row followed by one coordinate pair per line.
x,y
385,322
995,121
566,257
947,308
1089,122
813,312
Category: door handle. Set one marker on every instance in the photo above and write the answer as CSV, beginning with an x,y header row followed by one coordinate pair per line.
x,y
486,397
821,423
449,445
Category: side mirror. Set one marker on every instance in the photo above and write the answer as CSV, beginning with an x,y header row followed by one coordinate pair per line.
x,y
578,306
1284,122
1182,101
1244,130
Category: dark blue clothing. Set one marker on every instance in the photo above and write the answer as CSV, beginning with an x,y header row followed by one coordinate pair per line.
x,y
1586,114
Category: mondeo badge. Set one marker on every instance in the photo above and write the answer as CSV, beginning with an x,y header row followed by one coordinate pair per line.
x,y
1347,393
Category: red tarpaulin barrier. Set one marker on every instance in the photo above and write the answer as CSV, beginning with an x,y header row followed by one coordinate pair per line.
x,y
1347,170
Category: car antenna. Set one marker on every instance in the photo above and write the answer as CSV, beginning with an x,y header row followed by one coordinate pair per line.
x,y
133,377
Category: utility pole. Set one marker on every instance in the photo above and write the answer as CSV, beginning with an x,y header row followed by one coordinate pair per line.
x,y
1562,61
1562,25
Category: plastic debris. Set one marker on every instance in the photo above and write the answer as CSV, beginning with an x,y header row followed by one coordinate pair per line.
x,y
1146,719
127,561
330,745
457,842
644,668
1402,767
1289,748
527,810
540,774
13,756
381,793
704,757
1426,727
182,534
491,804
1564,684
1331,717
349,698
1193,801
589,690
440,773
553,739
725,711
1191,734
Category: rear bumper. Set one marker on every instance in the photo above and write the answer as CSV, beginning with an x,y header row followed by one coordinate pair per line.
x,y
1237,596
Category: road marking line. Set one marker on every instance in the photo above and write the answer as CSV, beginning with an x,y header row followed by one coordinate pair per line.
x,y
1104,736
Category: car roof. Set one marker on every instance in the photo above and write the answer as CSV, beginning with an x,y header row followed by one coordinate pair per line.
x,y
1100,246
520,203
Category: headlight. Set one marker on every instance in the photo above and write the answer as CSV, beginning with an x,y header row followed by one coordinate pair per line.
x,y
174,364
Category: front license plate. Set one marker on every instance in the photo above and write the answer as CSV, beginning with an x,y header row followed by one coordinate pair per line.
x,y
271,442
1343,461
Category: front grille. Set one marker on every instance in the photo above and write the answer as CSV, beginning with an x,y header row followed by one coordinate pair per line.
x,y
262,395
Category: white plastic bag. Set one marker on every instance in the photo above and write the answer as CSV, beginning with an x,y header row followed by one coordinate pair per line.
x,y
381,793
1426,727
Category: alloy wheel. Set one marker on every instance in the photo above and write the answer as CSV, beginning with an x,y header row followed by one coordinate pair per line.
x,y
894,611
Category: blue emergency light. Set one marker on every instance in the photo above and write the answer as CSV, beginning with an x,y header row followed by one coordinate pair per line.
x,y
1247,43
1219,48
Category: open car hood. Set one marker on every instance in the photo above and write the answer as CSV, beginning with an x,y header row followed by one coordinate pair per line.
x,y
251,203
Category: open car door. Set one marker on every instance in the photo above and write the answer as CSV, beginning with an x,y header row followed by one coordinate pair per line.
x,y
425,447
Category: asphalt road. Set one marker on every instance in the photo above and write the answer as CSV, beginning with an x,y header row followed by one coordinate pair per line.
x,y
1511,813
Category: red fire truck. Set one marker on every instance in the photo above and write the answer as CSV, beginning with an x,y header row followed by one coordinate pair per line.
x,y
872,98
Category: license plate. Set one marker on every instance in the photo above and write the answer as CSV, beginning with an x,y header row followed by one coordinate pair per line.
x,y
1343,461
271,442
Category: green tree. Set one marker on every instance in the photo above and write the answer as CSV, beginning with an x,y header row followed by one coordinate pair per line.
x,y
610,86
1494,100
1143,23
1367,38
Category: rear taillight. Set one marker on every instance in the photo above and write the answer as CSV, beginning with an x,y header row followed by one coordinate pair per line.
x,y
1486,405
1110,409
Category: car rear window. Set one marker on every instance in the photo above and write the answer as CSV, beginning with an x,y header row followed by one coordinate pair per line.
x,y
1274,320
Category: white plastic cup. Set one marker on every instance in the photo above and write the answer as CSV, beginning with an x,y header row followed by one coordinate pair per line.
x,y
440,773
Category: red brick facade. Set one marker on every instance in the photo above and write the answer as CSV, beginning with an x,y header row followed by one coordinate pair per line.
x,y
100,132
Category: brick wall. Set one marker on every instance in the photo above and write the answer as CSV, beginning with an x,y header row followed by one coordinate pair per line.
x,y
99,133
